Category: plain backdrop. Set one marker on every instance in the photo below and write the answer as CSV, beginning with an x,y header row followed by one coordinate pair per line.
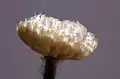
x,y
101,17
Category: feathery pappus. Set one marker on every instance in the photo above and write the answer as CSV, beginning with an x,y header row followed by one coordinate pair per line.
x,y
62,39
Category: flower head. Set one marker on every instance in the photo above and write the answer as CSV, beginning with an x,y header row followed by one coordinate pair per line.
x,y
61,39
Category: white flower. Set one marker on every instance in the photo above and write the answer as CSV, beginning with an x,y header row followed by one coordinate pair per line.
x,y
62,39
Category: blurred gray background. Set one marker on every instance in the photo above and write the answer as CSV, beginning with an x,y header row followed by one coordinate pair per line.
x,y
101,17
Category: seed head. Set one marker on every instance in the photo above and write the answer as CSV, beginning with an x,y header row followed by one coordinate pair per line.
x,y
61,39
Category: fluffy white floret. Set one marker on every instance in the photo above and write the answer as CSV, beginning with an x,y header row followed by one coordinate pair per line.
x,y
71,32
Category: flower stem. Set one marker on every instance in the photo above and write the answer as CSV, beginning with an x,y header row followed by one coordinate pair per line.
x,y
50,68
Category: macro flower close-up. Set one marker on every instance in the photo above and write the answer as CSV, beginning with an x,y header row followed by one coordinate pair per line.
x,y
56,40
59,39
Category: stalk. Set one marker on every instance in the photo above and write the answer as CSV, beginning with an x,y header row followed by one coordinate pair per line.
x,y
50,67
